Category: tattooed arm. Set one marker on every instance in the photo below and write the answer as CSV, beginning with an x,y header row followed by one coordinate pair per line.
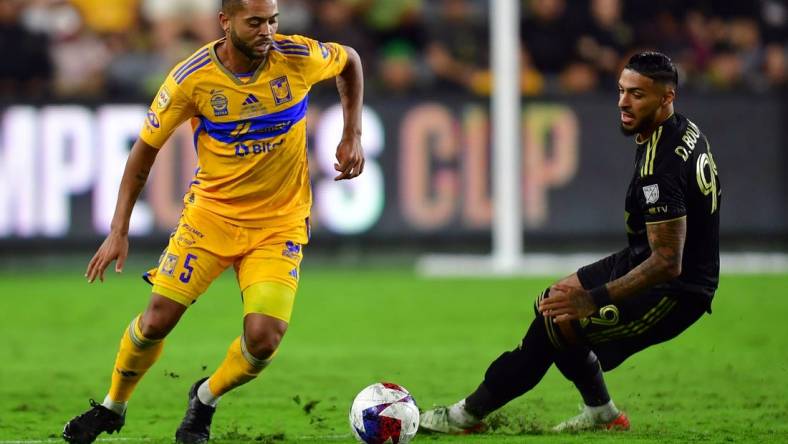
x,y
116,245
666,240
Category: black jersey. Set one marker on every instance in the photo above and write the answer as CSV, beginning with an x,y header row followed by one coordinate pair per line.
x,y
675,176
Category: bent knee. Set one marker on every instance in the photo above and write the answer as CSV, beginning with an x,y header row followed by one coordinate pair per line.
x,y
263,334
263,346
160,317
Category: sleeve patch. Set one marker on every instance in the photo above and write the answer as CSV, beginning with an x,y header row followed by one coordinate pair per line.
x,y
651,193
163,99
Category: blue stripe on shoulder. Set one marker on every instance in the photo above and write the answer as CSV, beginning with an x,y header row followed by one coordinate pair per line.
x,y
291,52
262,127
191,59
288,42
195,67
287,45
291,46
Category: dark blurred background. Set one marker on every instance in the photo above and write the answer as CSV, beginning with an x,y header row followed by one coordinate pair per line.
x,y
77,73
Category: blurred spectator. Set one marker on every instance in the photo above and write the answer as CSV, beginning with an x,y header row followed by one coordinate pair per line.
x,y
51,17
394,19
176,22
725,70
122,49
336,21
697,55
604,39
549,39
578,77
387,15
775,65
295,16
745,38
81,58
399,71
774,20
458,50
133,69
27,72
103,17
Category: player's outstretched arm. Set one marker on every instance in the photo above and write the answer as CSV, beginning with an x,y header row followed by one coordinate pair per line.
x,y
666,240
350,84
116,245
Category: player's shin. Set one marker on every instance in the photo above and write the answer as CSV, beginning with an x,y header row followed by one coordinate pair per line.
x,y
514,372
581,366
238,368
135,356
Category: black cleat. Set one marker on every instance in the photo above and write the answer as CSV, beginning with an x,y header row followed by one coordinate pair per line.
x,y
84,428
196,425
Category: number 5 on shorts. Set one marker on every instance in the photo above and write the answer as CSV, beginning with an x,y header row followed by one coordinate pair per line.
x,y
187,275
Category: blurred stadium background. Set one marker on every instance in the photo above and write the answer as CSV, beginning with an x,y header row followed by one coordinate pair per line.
x,y
78,75
83,71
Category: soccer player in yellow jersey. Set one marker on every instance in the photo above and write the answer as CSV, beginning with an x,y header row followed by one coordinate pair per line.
x,y
246,97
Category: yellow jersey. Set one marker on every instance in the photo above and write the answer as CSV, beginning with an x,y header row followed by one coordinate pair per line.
x,y
249,128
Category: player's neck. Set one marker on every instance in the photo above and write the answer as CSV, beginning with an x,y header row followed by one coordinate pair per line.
x,y
234,60
662,116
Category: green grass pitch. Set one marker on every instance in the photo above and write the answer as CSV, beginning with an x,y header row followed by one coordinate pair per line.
x,y
724,380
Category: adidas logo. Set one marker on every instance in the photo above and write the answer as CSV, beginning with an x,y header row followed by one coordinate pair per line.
x,y
250,99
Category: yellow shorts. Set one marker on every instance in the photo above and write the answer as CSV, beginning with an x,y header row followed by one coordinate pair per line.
x,y
204,245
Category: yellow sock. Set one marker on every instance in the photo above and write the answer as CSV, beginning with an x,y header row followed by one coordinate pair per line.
x,y
135,356
238,368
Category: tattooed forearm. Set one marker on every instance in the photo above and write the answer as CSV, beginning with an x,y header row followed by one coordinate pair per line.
x,y
666,240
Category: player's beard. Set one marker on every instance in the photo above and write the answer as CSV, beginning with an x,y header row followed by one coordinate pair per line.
x,y
245,48
644,125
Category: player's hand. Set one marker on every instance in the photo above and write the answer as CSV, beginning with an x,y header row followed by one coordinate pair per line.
x,y
115,246
350,158
567,303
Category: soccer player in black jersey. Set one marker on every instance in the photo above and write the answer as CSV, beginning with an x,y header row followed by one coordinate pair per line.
x,y
645,294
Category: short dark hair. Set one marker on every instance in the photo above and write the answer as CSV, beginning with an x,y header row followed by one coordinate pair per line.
x,y
654,65
230,6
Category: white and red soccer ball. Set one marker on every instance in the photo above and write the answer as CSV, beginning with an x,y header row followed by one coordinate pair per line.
x,y
384,413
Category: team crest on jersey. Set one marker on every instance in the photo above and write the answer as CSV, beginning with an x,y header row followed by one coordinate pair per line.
x,y
163,99
219,103
652,193
168,264
280,88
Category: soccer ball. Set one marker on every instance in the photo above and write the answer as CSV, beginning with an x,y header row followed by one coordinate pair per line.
x,y
384,413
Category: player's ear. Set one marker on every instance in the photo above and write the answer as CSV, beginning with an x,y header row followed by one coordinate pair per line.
x,y
669,95
224,21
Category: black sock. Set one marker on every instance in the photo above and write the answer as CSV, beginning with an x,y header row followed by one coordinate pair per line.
x,y
514,372
581,366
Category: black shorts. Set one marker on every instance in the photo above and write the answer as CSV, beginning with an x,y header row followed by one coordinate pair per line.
x,y
657,315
